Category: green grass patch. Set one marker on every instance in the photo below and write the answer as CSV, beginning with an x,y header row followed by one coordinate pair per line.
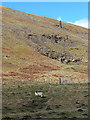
x,y
60,101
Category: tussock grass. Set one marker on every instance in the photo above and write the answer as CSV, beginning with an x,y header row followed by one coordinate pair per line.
x,y
60,101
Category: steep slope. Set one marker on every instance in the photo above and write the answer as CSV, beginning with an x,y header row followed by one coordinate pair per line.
x,y
29,43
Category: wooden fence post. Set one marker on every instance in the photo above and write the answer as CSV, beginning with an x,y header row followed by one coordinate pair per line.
x,y
59,81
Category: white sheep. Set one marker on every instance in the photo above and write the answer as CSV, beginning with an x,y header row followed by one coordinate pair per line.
x,y
39,94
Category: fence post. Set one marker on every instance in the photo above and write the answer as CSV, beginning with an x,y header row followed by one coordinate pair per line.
x,y
59,81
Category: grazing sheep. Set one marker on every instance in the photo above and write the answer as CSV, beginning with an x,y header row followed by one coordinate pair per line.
x,y
39,94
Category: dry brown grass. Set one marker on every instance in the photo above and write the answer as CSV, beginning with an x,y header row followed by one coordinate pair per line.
x,y
27,64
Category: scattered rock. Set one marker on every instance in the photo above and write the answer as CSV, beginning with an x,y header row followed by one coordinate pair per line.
x,y
74,118
80,110
26,117
43,35
33,101
39,114
49,37
77,102
76,60
13,93
48,108
56,41
57,106
82,104
86,95
22,110
30,35
18,86
85,114
67,61
7,108
62,113
7,56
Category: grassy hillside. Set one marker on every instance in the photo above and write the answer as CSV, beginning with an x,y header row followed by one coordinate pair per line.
x,y
29,41
31,48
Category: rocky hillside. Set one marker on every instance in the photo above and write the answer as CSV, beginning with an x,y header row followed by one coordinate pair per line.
x,y
35,47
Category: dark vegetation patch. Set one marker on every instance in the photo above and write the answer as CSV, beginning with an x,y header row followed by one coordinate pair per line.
x,y
59,102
